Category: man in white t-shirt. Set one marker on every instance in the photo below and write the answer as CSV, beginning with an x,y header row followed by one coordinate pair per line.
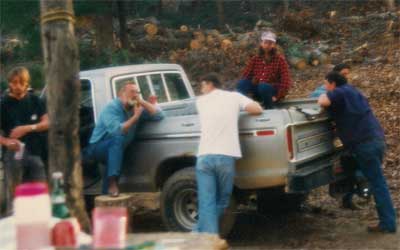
x,y
219,148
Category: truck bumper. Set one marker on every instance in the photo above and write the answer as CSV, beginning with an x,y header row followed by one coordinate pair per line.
x,y
316,174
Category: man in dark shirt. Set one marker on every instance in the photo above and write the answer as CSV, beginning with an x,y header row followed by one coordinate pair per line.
x,y
23,121
361,133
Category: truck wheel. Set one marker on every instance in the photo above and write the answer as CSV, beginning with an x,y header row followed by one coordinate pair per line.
x,y
179,204
275,200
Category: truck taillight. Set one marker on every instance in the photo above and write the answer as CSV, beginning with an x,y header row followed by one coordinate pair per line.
x,y
265,132
289,140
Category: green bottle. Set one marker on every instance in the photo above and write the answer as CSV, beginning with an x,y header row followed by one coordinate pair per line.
x,y
59,208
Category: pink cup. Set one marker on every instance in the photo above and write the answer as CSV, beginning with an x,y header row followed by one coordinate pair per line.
x,y
109,227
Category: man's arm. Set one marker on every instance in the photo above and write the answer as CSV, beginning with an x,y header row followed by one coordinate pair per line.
x,y
10,144
21,131
248,70
324,100
250,106
285,81
151,108
134,119
254,108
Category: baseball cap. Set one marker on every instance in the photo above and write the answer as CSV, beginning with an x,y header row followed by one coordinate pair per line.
x,y
268,36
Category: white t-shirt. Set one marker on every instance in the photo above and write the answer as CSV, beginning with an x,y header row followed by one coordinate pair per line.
x,y
219,114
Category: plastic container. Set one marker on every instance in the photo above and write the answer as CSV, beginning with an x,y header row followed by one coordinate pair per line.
x,y
109,227
32,212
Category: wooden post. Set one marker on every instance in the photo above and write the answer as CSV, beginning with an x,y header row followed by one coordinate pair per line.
x,y
61,66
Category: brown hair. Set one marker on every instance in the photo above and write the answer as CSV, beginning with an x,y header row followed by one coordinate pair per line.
x,y
21,72
212,78
272,53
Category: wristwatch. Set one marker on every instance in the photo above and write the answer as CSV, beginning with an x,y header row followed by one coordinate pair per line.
x,y
33,127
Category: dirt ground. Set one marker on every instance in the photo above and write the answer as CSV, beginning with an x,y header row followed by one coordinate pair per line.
x,y
320,224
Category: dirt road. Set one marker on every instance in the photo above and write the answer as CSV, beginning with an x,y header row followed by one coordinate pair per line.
x,y
320,224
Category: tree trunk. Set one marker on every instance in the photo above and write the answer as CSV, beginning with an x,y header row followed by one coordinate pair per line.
x,y
104,28
285,7
220,14
390,5
61,66
123,35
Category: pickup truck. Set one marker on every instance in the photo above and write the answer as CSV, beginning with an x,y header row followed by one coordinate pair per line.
x,y
287,151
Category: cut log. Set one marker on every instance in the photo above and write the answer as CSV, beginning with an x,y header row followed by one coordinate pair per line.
x,y
211,41
184,28
123,200
199,36
196,44
324,58
298,63
226,44
151,29
315,62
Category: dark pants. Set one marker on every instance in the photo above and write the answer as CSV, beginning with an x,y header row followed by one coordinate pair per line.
x,y
29,169
262,92
110,152
369,157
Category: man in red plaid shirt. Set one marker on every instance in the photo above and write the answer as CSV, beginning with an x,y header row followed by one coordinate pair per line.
x,y
266,75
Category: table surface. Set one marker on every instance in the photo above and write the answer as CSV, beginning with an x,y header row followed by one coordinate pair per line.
x,y
180,241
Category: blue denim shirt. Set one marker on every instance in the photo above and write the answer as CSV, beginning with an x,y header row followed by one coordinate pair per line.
x,y
113,116
318,91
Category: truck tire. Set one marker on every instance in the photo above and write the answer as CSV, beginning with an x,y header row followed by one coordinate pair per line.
x,y
275,200
179,204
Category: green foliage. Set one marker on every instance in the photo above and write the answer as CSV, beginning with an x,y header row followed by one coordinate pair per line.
x,y
20,19
37,76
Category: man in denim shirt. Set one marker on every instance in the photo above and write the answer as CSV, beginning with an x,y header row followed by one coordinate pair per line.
x,y
115,129
219,148
361,133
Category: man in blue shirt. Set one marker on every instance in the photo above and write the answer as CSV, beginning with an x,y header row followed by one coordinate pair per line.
x,y
361,133
115,129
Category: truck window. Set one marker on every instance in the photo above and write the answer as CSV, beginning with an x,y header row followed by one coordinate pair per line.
x,y
176,87
119,83
86,112
159,89
144,87
141,81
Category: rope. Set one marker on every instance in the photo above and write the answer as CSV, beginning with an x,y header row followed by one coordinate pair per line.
x,y
57,15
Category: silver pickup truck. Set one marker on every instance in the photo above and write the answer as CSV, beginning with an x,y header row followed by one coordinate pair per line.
x,y
287,151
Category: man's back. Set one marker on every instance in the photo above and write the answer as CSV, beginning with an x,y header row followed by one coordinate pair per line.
x,y
353,115
219,112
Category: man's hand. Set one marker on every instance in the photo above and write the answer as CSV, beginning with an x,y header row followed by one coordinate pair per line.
x,y
138,110
274,99
19,131
324,101
13,144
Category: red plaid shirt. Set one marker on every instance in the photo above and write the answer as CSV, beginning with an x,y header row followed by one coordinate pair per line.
x,y
275,72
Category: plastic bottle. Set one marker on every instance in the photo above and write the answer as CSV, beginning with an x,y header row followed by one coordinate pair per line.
x,y
59,207
32,210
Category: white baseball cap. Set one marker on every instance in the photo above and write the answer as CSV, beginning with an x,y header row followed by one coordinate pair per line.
x,y
268,36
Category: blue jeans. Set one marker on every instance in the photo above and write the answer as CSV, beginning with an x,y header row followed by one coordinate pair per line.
x,y
369,157
262,92
215,176
108,151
